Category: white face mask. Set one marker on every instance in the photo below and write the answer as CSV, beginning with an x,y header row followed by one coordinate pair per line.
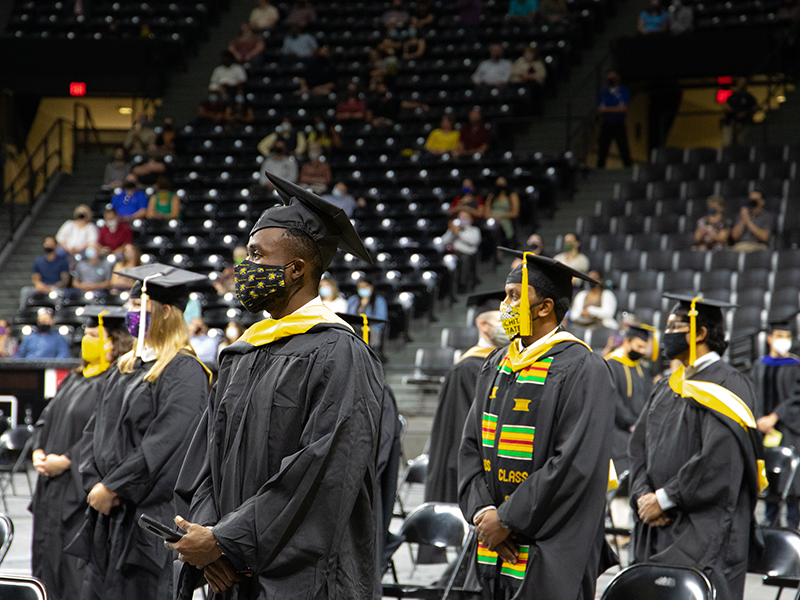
x,y
232,333
782,346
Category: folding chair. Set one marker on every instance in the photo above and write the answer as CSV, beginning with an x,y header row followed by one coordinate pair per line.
x,y
659,582
781,466
15,448
415,474
14,587
780,561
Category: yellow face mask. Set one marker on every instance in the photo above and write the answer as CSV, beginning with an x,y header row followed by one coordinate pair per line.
x,y
509,318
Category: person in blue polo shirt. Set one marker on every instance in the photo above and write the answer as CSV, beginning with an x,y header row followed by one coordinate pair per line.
x,y
46,342
653,20
130,203
612,105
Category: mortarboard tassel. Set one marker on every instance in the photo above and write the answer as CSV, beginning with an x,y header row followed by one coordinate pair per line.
x,y
102,332
525,328
365,329
652,330
693,331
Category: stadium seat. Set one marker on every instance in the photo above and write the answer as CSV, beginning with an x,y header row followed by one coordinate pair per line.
x,y
660,190
734,154
680,173
732,189
746,319
680,241
724,259
646,173
646,299
628,225
659,582
677,281
627,260
754,278
745,170
692,259
667,155
751,298
715,279
757,260
768,153
714,171
460,338
630,191
607,242
698,156
780,560
637,281
659,260
721,294
18,587
697,189
645,242
773,170
667,224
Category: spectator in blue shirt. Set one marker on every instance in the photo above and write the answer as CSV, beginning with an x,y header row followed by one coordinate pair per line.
x,y
653,20
45,343
612,105
369,303
50,272
131,203
298,46
525,9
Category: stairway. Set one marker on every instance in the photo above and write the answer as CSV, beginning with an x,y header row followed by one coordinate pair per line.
x,y
781,126
79,188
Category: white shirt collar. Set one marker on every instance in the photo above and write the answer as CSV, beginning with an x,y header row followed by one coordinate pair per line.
x,y
538,343
706,360
482,343
148,354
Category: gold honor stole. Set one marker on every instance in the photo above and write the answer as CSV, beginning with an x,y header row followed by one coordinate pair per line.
x,y
618,356
717,398
481,351
300,321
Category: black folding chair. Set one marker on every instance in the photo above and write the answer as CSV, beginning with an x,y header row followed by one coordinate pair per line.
x,y
781,466
659,582
6,535
780,561
612,529
14,587
15,450
415,474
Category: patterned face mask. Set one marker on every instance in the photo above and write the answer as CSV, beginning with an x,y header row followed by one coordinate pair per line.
x,y
509,317
256,283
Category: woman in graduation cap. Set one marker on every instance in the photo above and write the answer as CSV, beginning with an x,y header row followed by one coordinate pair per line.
x,y
59,502
535,454
696,468
283,465
137,439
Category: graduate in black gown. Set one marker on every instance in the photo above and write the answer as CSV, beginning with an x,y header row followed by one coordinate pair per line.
x,y
633,383
534,459
776,377
455,399
283,465
696,468
136,440
59,503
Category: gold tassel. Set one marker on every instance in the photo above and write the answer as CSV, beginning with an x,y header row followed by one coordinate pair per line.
x,y
365,329
525,303
652,330
693,331
102,334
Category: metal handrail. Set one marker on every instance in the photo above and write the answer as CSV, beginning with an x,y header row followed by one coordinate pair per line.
x,y
88,127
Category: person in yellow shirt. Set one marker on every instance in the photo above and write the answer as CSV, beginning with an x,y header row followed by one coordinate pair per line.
x,y
443,139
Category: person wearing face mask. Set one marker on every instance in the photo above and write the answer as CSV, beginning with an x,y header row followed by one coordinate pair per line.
x,y
463,238
474,135
538,502
227,75
59,503
495,71
281,163
45,342
777,409
596,306
288,490
8,345
116,170
572,255
131,202
633,383
713,229
77,234
50,271
239,112
114,233
233,332
368,302
754,226
226,282
294,142
211,111
444,139
654,19
133,445
455,399
612,106
469,201
341,197
316,173
324,135
696,457
93,271
503,206
331,296
414,46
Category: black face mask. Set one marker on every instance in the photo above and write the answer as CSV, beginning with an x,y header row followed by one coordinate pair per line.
x,y
43,328
634,355
674,344
49,249
753,204
257,284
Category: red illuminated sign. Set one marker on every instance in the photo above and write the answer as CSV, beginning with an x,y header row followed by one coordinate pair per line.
x,y
723,95
77,88
728,80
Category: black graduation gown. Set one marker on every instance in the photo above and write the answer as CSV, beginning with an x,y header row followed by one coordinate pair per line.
x,y
59,503
135,445
551,491
786,405
706,464
633,385
388,466
455,400
283,465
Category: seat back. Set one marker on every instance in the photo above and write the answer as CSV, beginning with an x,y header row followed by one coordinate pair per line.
x,y
659,582
437,524
417,469
781,465
14,587
429,361
781,556
460,338
6,535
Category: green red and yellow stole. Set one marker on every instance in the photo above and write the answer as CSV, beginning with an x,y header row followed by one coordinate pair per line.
x,y
719,399
300,321
488,429
490,559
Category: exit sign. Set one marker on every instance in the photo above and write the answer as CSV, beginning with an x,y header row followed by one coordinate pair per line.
x,y
77,88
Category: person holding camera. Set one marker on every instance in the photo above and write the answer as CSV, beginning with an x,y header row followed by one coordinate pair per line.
x,y
754,226
464,239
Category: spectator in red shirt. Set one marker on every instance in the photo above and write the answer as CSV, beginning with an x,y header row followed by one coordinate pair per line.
x,y
247,46
474,137
468,201
114,233
353,108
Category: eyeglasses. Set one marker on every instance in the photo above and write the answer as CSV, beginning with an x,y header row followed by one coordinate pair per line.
x,y
677,327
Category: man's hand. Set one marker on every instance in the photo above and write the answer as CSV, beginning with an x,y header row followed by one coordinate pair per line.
x,y
744,212
765,424
54,465
649,509
490,532
102,499
198,547
38,461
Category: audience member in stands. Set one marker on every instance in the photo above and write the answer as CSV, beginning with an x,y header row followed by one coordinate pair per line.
x,y
78,233
396,16
264,16
789,11
554,11
45,342
8,345
226,283
444,139
495,71
148,172
298,46
353,108
612,106
468,201
473,137
653,20
369,302
469,16
536,244
528,69
204,345
165,140
164,203
739,111
227,75
523,9
239,112
319,77
572,255
754,226
595,306
383,59
464,239
301,15
93,272
331,296
385,106
775,376
233,332
247,46
114,233
279,162
681,17
502,205
316,173
116,170
713,229
212,110
294,141
324,134
340,197
424,14
140,137
414,46
131,202
131,257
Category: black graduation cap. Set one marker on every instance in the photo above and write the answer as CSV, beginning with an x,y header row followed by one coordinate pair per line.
x,y
784,322
113,316
695,306
165,284
486,301
323,222
644,332
361,321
